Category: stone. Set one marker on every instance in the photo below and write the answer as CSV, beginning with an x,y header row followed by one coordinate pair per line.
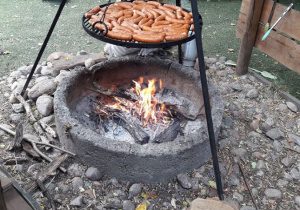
x,y
16,117
247,208
63,74
254,134
239,197
128,205
33,169
240,152
78,201
82,52
57,55
184,181
46,87
273,193
93,174
254,191
253,93
19,168
64,188
77,183
292,106
282,183
282,107
295,174
255,125
297,200
260,164
277,146
134,190
75,170
41,78
23,70
89,62
294,138
287,161
233,179
16,74
48,120
275,134
44,105
237,87
18,108
204,204
228,122
258,155
222,59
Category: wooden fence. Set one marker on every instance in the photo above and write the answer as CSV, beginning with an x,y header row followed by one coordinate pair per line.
x,y
281,44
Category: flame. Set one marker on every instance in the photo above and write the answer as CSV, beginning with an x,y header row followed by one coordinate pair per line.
x,y
147,108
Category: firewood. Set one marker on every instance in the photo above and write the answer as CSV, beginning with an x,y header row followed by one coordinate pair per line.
x,y
169,133
16,143
14,160
136,131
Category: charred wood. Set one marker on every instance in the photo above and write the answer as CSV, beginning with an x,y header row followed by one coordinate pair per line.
x,y
169,133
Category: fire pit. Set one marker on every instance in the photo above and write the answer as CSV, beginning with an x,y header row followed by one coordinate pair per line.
x,y
114,148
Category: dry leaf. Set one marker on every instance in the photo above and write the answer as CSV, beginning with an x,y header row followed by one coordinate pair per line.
x,y
276,63
173,203
141,206
230,50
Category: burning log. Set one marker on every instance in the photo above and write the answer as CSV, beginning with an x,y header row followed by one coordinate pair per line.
x,y
133,127
169,133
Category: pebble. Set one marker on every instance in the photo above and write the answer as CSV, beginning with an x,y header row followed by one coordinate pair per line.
x,y
275,134
128,205
89,62
282,183
45,87
233,179
292,106
18,108
273,193
93,174
282,107
287,161
184,181
240,152
239,197
78,201
222,59
75,170
16,117
44,105
134,190
295,174
297,200
294,138
253,93
247,208
77,183
260,164
277,146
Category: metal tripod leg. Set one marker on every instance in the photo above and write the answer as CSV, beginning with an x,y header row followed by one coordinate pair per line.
x,y
210,126
62,4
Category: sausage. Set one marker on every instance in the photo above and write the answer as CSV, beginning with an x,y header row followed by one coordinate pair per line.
x,y
128,12
123,28
102,27
121,19
139,2
186,15
144,20
119,34
171,14
125,5
155,14
166,9
136,20
179,14
115,24
135,15
160,18
147,28
95,10
149,33
148,38
162,22
172,33
173,20
130,25
140,13
154,3
117,14
149,14
174,7
161,12
149,23
175,37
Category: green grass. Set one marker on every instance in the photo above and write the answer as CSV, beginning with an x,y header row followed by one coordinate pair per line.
x,y
25,23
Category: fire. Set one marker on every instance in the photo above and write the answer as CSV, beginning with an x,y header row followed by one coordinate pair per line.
x,y
147,108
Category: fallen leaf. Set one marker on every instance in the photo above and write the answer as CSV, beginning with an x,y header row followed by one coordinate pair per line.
x,y
173,203
289,140
141,206
2,146
268,75
276,63
253,164
149,195
230,50
186,204
6,52
212,184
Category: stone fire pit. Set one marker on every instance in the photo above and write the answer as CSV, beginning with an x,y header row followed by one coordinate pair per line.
x,y
149,163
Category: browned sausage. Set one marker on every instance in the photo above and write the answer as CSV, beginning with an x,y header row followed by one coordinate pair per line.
x,y
173,20
161,12
166,9
162,22
173,7
121,19
119,34
140,13
160,18
154,3
130,25
125,5
136,20
148,38
117,14
171,14
175,37
147,28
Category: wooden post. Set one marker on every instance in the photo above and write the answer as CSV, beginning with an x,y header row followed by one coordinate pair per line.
x,y
249,35
2,201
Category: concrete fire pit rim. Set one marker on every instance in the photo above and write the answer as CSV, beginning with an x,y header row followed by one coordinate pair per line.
x,y
77,130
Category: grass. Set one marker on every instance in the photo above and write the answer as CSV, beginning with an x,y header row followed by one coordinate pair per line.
x,y
24,25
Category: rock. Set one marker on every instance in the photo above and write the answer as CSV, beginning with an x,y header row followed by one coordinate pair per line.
x,y
287,161
282,183
254,134
247,208
63,74
221,73
44,105
292,106
260,164
23,70
82,52
222,59
77,183
253,93
297,200
228,122
18,108
128,205
33,169
204,204
233,179
134,190
78,202
239,197
19,168
16,117
48,120
294,138
114,204
295,174
277,146
275,134
16,74
282,107
184,181
255,125
57,55
240,152
89,62
258,155
273,193
254,191
93,174
46,87
237,87
75,170
41,78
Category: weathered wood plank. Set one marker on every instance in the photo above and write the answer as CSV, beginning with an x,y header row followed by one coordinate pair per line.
x,y
244,6
249,36
283,49
288,25
241,25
